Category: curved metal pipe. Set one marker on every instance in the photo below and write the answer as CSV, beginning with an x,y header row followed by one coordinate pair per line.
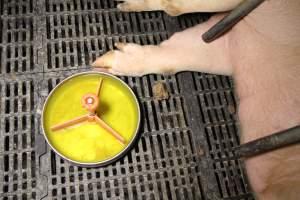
x,y
278,140
230,20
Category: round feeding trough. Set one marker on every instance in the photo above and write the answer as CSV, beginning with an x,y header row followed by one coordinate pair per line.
x,y
91,119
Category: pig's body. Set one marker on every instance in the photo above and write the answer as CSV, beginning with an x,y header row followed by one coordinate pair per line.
x,y
262,53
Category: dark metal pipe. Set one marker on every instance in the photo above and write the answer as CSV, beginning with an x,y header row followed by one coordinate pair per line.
x,y
230,20
278,140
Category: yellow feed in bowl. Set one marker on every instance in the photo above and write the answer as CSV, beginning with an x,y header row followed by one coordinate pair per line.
x,y
88,142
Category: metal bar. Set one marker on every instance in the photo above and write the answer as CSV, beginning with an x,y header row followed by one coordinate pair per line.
x,y
278,140
230,20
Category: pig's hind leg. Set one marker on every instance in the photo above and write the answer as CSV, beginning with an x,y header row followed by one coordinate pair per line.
x,y
184,51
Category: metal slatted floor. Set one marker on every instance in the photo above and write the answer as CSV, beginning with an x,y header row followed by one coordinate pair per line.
x,y
185,148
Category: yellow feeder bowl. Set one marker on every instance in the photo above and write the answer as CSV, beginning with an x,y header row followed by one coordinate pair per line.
x,y
91,119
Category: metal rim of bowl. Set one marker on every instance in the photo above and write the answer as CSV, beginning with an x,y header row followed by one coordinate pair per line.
x,y
109,160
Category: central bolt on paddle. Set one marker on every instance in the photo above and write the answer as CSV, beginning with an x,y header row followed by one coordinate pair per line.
x,y
90,102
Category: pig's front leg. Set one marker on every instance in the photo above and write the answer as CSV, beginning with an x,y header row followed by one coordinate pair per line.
x,y
178,7
184,51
